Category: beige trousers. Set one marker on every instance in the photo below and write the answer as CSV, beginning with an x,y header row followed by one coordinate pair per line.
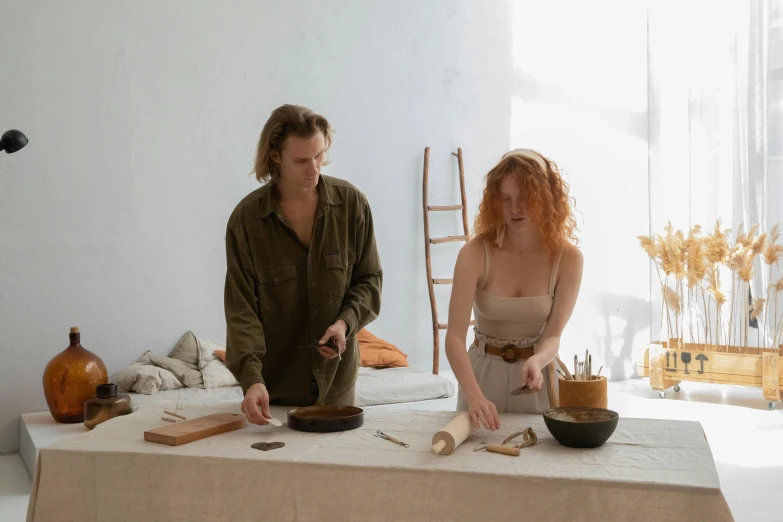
x,y
497,379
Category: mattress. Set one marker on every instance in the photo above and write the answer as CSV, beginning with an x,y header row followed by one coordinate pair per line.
x,y
373,387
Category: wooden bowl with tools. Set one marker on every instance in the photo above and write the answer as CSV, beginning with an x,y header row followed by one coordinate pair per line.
x,y
580,427
325,418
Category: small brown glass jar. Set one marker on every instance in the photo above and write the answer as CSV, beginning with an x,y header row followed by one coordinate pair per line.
x,y
105,404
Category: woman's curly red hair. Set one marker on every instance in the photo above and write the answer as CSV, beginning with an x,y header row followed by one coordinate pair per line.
x,y
547,198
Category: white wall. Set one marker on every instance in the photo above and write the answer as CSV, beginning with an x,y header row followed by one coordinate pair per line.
x,y
143,117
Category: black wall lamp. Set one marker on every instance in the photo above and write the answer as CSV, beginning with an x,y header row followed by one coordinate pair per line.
x,y
12,141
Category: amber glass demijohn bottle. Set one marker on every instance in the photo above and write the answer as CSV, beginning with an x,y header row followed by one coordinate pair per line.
x,y
70,379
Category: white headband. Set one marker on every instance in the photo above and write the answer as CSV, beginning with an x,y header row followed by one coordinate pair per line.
x,y
529,154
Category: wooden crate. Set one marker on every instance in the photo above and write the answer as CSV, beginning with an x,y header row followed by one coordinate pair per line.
x,y
663,363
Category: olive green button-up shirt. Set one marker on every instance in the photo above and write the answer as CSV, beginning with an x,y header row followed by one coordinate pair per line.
x,y
281,296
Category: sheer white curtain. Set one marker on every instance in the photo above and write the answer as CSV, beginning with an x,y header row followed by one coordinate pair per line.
x,y
715,131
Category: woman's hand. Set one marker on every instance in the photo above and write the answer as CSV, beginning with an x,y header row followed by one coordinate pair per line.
x,y
484,411
531,374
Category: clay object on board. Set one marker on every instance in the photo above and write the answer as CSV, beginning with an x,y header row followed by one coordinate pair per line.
x,y
70,379
449,438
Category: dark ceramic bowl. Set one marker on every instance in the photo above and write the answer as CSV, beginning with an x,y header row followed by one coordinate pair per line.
x,y
325,418
578,427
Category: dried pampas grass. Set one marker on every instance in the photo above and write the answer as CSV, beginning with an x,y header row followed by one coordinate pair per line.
x,y
672,299
695,262
773,250
758,308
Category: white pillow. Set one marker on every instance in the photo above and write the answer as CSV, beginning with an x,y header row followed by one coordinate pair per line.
x,y
126,377
152,379
144,377
214,372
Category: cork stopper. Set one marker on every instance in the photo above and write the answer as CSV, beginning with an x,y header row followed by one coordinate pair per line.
x,y
74,329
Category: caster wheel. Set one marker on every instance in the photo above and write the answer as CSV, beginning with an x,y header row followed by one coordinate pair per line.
x,y
771,405
677,388
662,395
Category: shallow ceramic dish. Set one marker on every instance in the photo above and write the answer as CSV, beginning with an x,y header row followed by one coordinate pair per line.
x,y
325,418
579,427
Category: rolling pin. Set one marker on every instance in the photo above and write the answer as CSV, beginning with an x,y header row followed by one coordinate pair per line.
x,y
454,434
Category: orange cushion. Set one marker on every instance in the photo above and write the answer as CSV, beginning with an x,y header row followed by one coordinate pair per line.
x,y
221,354
377,353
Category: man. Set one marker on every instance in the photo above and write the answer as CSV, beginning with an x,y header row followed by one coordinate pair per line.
x,y
303,272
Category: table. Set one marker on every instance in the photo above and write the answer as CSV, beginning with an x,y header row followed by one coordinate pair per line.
x,y
649,470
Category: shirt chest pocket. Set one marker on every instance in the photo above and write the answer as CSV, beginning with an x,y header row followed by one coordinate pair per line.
x,y
278,289
339,265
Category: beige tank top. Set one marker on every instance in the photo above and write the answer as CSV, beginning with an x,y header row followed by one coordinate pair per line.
x,y
512,317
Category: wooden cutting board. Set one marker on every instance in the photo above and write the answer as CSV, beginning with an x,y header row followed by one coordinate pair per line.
x,y
195,429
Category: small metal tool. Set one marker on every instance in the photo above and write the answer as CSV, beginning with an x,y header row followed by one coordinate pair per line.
x,y
382,435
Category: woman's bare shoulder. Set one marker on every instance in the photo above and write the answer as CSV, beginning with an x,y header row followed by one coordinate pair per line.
x,y
471,255
572,256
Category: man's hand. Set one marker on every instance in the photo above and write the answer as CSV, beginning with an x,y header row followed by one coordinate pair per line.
x,y
336,332
257,396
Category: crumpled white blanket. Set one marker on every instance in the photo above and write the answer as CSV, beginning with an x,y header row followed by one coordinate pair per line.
x,y
192,364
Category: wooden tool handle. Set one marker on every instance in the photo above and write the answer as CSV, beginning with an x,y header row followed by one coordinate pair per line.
x,y
437,448
505,450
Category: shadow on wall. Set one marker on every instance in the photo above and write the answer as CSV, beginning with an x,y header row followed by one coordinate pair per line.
x,y
624,318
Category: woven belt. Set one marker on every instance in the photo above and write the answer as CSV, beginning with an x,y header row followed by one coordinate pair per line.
x,y
509,352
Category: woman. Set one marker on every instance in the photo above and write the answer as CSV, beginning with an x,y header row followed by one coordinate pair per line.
x,y
521,275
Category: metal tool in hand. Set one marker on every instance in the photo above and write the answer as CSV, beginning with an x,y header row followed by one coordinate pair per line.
x,y
330,343
522,390
382,435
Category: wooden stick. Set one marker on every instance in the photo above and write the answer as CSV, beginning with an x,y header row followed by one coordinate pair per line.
x,y
428,260
174,415
564,368
167,419
462,193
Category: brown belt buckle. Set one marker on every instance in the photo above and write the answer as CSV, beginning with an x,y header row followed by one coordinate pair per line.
x,y
509,353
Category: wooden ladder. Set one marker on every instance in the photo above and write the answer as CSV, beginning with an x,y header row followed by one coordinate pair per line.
x,y
429,241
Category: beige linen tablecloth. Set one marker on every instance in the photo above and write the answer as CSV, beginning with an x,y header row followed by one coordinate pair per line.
x,y
649,470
